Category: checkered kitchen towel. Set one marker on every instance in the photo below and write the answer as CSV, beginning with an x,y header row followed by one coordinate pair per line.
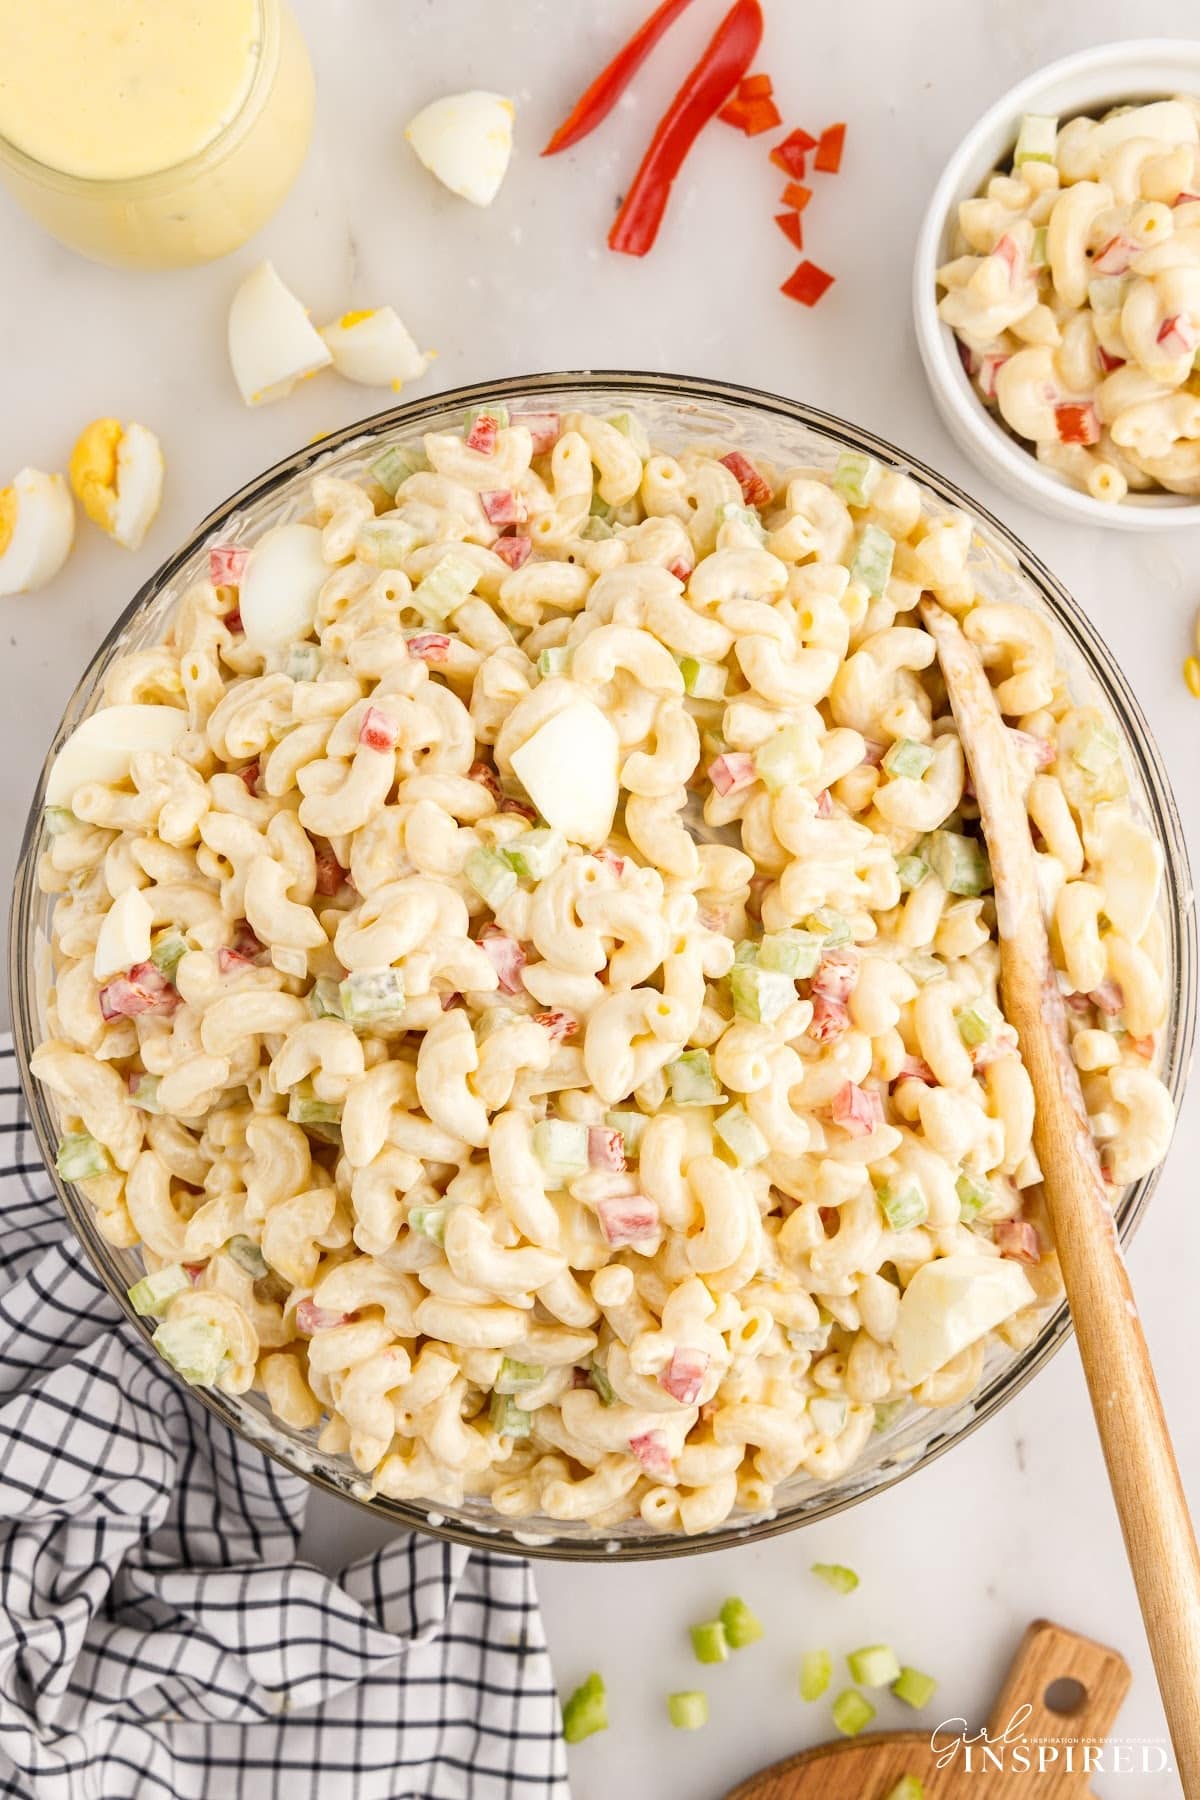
x,y
157,1635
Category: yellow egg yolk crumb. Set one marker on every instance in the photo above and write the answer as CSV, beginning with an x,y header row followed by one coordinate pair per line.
x,y
8,517
93,470
350,319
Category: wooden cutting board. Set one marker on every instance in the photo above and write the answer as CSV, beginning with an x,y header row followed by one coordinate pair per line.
x,y
867,1768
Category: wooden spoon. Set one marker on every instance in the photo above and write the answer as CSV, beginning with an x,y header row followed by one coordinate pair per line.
x,y
1142,1471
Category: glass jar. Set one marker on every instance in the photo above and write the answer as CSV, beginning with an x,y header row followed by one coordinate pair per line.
x,y
211,201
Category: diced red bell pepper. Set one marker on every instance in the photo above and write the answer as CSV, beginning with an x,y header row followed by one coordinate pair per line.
x,y
230,961
873,753
330,873
967,357
792,229
830,1019
795,195
752,116
1115,257
310,1318
611,861
513,550
483,434
1141,1046
857,1110
628,1219
429,646
144,990
1184,198
1077,424
829,150
595,104
824,804
792,155
543,428
606,1148
1041,750
652,1451
684,1375
227,564
1009,252
502,506
732,772
915,1068
1018,1239
506,957
377,731
837,975
249,776
989,367
755,491
449,1001
680,570
233,623
1108,362
1003,1044
807,284
558,1024
1108,998
1177,335
755,87
245,943
510,804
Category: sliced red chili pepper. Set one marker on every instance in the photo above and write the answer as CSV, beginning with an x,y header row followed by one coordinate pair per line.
x,y
807,284
704,92
795,196
751,116
594,106
789,224
792,155
829,150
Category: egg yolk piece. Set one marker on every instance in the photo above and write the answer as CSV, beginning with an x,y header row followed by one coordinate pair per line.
x,y
8,517
93,470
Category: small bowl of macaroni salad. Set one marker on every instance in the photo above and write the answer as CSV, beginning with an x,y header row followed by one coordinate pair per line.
x,y
507,967
1057,288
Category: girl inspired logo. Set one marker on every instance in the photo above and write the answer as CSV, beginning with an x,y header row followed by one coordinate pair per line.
x,y
1012,1752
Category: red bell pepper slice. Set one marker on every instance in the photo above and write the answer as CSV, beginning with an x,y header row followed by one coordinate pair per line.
x,y
789,224
807,284
755,87
1077,424
704,92
795,196
792,155
829,150
594,106
751,116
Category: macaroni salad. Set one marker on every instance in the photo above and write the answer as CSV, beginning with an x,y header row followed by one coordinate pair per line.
x,y
525,971
1074,296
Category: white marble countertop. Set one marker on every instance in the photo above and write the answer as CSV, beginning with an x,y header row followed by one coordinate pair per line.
x,y
1018,1522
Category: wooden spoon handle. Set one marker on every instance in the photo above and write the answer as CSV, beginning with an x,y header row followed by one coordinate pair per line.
x,y
1142,1470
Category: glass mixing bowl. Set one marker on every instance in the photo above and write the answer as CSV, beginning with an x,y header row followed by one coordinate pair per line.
x,y
675,410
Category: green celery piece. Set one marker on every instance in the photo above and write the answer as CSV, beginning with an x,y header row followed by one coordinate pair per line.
x,y
631,1125
446,586
389,540
855,477
371,994
741,1137
914,1688
630,426
871,566
960,863
303,662
555,660
586,1711
1038,255
428,1221
838,1577
851,1713
978,1022
692,1080
58,819
760,994
732,514
324,999
80,1157
321,1117
816,1672
908,759
688,1711
600,509
876,1665
535,854
742,1626
709,1643
785,759
506,1417
517,1377
973,1196
1036,139
594,530
561,1146
152,1295
396,464
144,1095
703,680
167,952
886,1413
599,1381
924,967
1096,749
833,926
193,1347
795,954
247,1255
901,1207
474,413
829,1413
911,871
493,878
746,951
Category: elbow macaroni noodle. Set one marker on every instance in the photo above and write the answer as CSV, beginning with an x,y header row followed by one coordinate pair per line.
x,y
589,1175
1074,294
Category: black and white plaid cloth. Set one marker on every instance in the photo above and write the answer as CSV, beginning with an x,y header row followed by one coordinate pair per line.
x,y
158,1637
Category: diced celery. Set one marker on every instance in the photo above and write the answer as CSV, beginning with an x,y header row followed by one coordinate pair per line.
x,y
152,1295
506,1417
978,1022
80,1157
973,1196
492,876
812,1341
886,1413
742,1626
631,1125
515,1377
594,530
816,1672
561,1146
877,1665
851,1713
325,999
1036,139
914,1688
925,967
599,1381
428,1221
833,926
555,660
396,464
741,1137
703,680
371,994
1096,749
1038,254
58,819
144,1095
871,565
586,1711
600,509
388,541
247,1255
746,951
709,1643
901,1207
732,514
630,426
167,952
909,759
535,854
193,1347
795,954
1106,293
760,994
855,477
911,871
692,1080
960,863
475,413
321,1117
689,1711
303,662
785,759
909,1787
840,1578
829,1413
446,586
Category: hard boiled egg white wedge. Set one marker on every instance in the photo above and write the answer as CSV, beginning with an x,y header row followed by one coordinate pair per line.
x,y
569,770
284,573
466,141
100,749
950,1303
124,936
37,528
117,473
272,343
374,349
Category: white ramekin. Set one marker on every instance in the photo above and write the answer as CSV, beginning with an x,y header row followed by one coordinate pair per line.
x,y
1091,81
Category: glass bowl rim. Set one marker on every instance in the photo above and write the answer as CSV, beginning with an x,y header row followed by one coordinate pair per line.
x,y
1008,1381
